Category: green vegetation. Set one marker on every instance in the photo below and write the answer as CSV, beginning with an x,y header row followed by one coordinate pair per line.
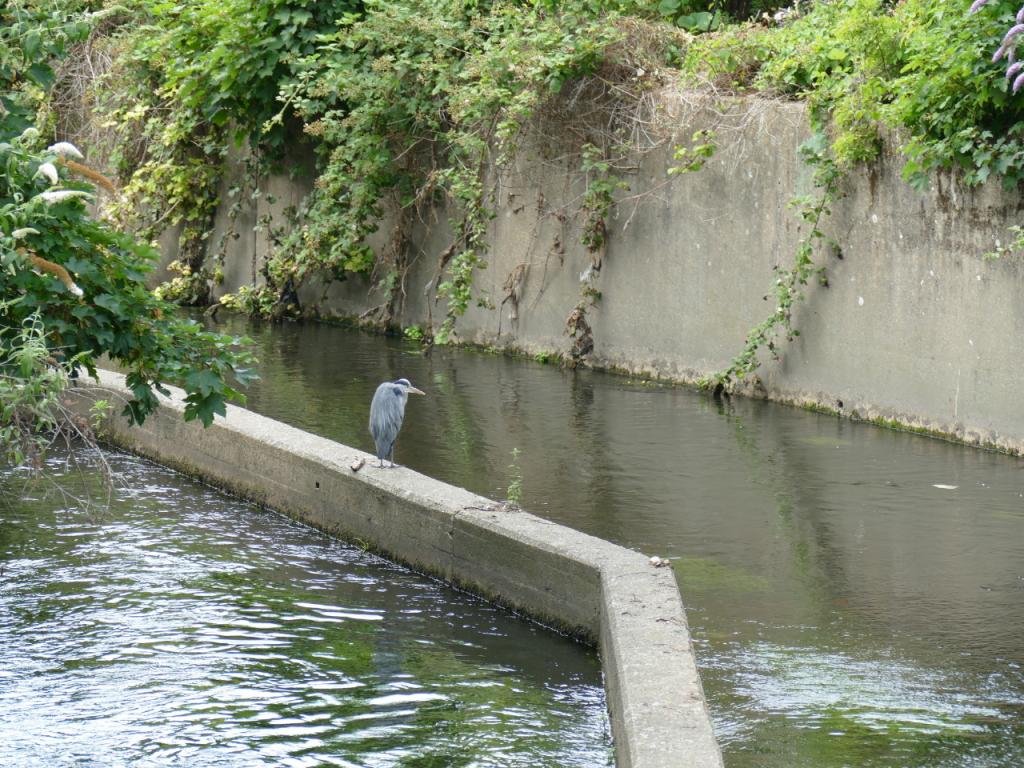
x,y
786,290
515,488
30,391
105,308
417,107
920,68
918,72
72,288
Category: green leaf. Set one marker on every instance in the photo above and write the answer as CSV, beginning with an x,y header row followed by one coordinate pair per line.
x,y
109,302
204,382
41,74
30,47
205,409
919,181
700,21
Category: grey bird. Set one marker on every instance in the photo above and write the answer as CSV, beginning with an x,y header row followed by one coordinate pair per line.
x,y
386,413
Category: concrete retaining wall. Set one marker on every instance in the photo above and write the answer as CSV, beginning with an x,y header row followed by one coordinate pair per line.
x,y
915,328
599,591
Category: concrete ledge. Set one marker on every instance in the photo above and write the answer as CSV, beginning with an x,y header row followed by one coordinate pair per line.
x,y
582,585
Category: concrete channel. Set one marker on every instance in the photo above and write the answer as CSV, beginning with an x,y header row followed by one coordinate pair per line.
x,y
598,591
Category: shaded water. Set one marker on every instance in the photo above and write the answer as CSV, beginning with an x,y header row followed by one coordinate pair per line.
x,y
193,629
845,610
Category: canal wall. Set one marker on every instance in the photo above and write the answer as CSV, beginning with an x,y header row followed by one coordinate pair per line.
x,y
580,584
912,326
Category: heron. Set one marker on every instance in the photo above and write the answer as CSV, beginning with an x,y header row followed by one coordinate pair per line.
x,y
386,413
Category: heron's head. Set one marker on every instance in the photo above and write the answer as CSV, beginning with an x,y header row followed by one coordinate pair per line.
x,y
407,387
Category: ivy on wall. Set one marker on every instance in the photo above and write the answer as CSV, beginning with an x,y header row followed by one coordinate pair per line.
x,y
924,72
411,104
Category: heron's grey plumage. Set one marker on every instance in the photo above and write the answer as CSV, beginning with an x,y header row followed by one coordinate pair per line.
x,y
386,414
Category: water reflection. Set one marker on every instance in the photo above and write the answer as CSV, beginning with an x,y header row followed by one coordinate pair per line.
x,y
847,611
194,629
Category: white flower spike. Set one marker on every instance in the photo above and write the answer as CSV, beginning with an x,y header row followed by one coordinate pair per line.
x,y
49,170
66,148
60,195
18,234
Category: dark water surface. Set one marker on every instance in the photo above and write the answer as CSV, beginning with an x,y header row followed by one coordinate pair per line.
x,y
193,629
846,611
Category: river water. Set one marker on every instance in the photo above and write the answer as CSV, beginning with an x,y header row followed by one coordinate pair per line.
x,y
190,628
846,609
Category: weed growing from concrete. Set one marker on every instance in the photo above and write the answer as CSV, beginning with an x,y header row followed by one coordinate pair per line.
x,y
515,488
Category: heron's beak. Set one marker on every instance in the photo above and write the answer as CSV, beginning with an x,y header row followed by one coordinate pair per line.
x,y
417,391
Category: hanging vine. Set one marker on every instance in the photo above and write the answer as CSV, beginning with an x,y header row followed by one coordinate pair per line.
x,y
450,99
787,287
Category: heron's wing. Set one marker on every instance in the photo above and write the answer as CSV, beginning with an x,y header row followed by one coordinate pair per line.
x,y
386,413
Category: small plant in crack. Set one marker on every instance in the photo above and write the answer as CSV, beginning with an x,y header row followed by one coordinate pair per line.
x,y
515,488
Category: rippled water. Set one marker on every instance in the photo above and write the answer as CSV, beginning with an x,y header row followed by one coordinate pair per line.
x,y
846,611
190,628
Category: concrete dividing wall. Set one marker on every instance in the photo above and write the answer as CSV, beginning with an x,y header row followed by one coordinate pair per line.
x,y
589,587
914,328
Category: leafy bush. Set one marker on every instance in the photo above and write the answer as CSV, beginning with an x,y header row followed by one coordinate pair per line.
x,y
31,389
689,15
921,69
29,40
104,306
230,59
412,103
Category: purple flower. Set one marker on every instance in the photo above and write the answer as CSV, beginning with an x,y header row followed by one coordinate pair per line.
x,y
976,5
1018,82
1014,31
1014,69
998,54
1020,15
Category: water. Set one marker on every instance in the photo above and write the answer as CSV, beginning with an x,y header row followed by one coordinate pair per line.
x,y
193,629
845,610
